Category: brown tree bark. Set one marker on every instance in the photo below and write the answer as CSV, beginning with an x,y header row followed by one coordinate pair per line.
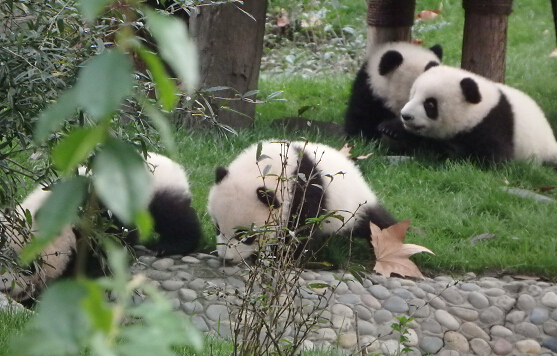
x,y
389,21
230,44
485,37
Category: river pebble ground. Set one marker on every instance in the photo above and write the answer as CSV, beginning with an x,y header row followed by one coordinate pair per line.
x,y
471,316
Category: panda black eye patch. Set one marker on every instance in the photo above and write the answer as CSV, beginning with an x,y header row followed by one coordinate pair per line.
x,y
244,238
248,240
430,107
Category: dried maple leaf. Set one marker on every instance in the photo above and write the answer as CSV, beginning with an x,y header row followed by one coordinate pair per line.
x,y
391,253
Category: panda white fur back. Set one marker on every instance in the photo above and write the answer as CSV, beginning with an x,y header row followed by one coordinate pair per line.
x,y
477,117
241,195
55,258
382,85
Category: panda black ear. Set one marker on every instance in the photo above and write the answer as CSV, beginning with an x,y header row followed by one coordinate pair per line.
x,y
220,173
390,61
470,90
268,197
438,50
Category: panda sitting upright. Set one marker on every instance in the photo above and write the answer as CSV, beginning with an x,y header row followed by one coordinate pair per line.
x,y
382,85
286,185
476,117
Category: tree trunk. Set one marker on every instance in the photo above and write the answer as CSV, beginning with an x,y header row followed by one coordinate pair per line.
x,y
230,44
485,37
389,21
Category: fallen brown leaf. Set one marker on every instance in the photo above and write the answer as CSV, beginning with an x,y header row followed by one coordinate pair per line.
x,y
346,150
427,14
392,253
282,20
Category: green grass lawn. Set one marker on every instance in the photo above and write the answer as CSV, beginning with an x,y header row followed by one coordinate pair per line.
x,y
450,201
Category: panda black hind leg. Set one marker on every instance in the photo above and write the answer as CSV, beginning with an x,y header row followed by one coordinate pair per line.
x,y
176,223
376,214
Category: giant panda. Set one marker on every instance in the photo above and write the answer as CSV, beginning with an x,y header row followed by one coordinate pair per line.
x,y
286,183
382,85
476,117
55,260
175,221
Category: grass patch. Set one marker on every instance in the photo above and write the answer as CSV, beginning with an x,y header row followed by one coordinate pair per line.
x,y
12,321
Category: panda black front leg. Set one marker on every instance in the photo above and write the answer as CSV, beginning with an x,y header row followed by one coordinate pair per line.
x,y
392,128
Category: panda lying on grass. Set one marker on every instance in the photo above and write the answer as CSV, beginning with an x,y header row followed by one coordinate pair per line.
x,y
284,184
472,116
175,221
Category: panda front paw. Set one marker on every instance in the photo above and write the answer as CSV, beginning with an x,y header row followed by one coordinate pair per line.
x,y
391,128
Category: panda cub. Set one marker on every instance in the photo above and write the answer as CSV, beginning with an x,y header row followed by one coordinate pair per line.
x,y
54,258
382,85
286,183
476,117
175,221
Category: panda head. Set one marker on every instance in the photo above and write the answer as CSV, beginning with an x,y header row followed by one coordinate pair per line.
x,y
446,101
236,206
394,66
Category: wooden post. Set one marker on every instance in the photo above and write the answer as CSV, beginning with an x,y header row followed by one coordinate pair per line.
x,y
389,21
230,44
485,37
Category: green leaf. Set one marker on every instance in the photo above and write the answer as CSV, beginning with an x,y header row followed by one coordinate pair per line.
x,y
145,223
161,331
90,9
102,84
121,180
162,125
54,116
274,95
94,305
118,262
57,212
76,147
166,92
318,285
59,327
175,46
